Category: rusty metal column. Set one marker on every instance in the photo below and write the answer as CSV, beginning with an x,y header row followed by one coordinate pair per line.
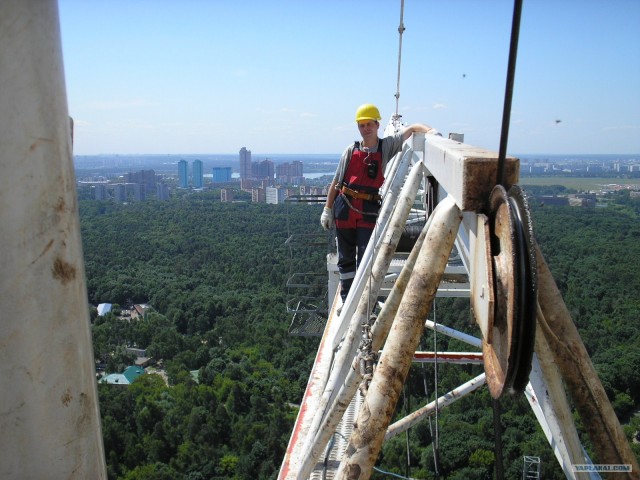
x,y
379,333
49,417
332,408
550,398
380,403
583,384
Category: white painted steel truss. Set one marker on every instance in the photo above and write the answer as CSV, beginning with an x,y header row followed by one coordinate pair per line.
x,y
464,174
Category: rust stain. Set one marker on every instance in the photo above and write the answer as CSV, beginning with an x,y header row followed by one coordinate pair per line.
x,y
63,271
353,472
83,421
46,249
60,205
66,398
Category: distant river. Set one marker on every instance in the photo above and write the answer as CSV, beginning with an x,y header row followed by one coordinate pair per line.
x,y
306,175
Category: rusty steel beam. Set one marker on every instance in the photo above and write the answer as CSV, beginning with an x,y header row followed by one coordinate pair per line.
x,y
474,358
548,399
336,400
582,382
390,375
383,323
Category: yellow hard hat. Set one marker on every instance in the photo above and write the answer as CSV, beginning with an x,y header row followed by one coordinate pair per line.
x,y
367,112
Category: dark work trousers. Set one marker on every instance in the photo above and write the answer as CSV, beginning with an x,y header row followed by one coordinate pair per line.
x,y
352,242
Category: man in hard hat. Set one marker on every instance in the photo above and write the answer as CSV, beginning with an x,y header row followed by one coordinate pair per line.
x,y
353,199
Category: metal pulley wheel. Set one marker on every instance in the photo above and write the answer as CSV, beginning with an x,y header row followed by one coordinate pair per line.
x,y
508,347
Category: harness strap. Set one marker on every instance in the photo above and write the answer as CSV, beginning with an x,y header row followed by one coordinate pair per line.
x,y
356,146
360,195
370,214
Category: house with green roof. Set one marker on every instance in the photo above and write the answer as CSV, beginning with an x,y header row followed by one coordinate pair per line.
x,y
125,378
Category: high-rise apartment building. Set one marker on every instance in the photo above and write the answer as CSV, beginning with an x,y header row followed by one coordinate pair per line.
x,y
197,180
120,192
275,195
138,191
183,174
143,177
245,163
265,170
226,195
290,173
258,195
296,168
162,191
221,174
246,184
101,192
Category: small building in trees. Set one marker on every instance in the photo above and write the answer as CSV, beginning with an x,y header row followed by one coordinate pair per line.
x,y
125,378
104,308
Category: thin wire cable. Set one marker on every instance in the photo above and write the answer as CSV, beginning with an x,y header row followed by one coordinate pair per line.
x,y
401,30
508,94
426,394
429,207
374,235
436,442
406,436
379,470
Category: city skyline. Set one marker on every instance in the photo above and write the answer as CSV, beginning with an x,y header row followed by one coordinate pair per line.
x,y
282,173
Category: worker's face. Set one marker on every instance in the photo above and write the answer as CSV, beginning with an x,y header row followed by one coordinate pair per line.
x,y
368,128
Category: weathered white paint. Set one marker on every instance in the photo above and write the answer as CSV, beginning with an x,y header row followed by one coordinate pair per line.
x,y
482,291
331,408
549,403
429,409
466,173
388,379
49,420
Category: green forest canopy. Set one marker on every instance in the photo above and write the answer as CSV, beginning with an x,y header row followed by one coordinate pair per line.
x,y
215,275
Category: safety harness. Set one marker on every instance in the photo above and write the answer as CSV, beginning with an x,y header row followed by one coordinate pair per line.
x,y
357,193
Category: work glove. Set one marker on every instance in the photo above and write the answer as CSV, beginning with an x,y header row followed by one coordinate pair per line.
x,y
326,219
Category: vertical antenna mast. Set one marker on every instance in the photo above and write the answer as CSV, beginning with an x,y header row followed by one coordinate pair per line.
x,y
400,31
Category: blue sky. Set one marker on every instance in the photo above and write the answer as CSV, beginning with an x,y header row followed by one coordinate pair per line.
x,y
212,76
